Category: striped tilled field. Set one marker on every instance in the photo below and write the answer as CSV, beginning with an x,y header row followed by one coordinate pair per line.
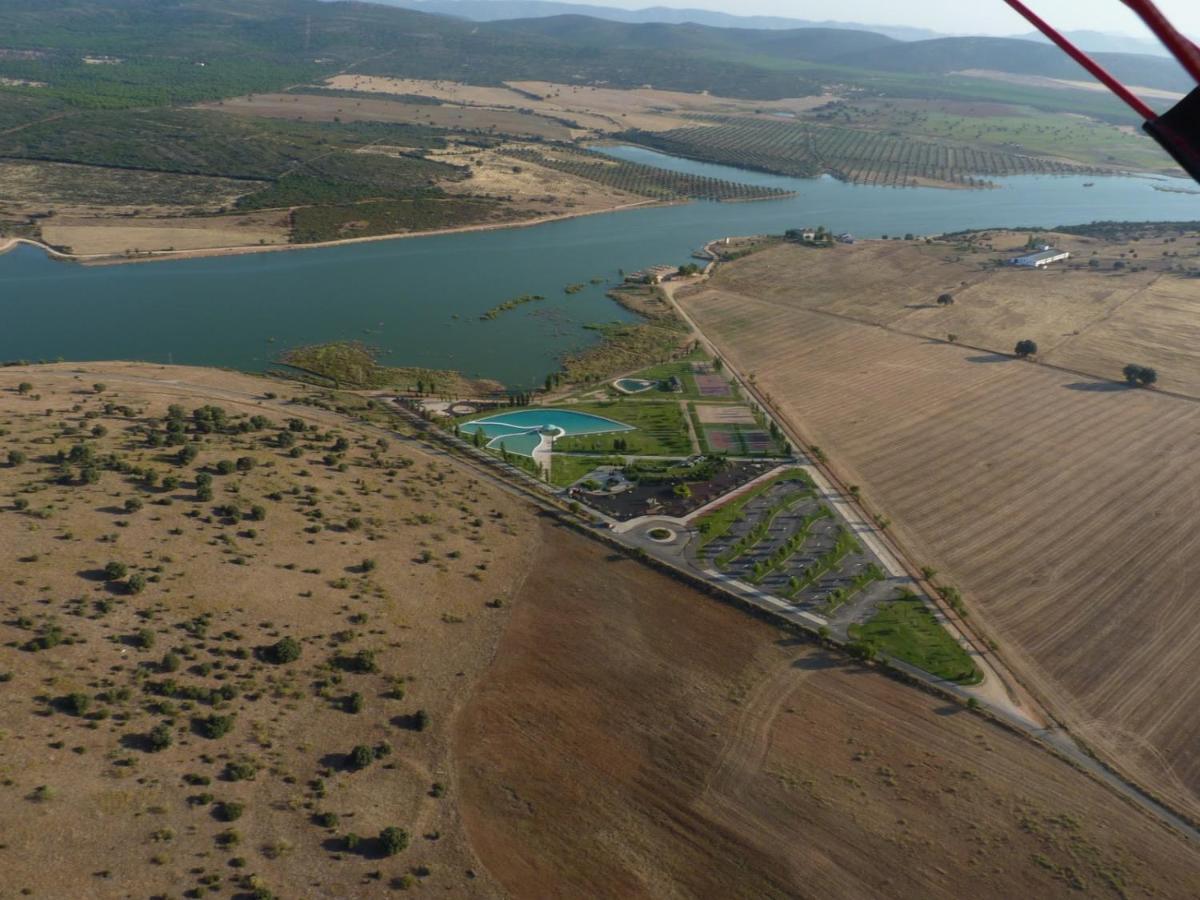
x,y
1064,509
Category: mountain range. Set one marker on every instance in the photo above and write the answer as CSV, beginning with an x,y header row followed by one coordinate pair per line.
x,y
494,10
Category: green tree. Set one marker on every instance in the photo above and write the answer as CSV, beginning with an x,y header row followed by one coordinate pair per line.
x,y
24,388
393,840
361,757
283,651
1026,348
160,738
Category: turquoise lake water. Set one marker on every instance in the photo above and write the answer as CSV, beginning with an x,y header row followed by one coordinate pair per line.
x,y
519,431
419,300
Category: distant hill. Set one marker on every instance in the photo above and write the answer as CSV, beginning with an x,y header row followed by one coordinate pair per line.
x,y
808,44
857,49
1019,57
1102,42
495,10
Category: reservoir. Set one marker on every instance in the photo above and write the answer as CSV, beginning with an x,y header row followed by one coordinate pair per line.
x,y
419,300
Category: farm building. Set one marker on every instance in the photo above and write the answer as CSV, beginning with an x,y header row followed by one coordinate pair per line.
x,y
1042,258
652,275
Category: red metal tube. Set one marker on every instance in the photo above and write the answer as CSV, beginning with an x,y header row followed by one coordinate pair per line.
x,y
1098,72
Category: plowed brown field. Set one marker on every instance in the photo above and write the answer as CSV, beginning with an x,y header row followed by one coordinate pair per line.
x,y
636,739
1094,320
1063,506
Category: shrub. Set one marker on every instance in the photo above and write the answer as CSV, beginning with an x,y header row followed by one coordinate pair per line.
x,y
362,662
326,819
284,651
417,721
368,565
1140,375
226,467
115,571
160,738
354,703
16,457
393,840
243,770
136,583
170,662
361,757
214,726
132,505
245,463
258,513
229,811
77,704
144,638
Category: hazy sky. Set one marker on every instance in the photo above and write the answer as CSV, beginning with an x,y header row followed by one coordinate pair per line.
x,y
952,16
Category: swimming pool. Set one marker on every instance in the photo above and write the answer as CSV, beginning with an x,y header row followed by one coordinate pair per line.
x,y
522,431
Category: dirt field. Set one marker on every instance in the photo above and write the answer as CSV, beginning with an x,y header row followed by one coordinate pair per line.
x,y
116,235
684,750
327,108
83,772
1092,319
724,415
1062,506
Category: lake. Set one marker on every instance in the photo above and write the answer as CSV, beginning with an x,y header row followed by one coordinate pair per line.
x,y
419,299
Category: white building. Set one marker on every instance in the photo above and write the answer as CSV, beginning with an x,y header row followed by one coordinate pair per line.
x,y
1041,259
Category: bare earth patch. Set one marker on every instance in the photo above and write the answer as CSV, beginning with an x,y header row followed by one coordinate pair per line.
x,y
101,235
724,415
683,749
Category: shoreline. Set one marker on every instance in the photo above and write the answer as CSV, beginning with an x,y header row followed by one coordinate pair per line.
x,y
116,259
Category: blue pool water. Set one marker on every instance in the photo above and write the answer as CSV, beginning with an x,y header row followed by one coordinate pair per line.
x,y
520,431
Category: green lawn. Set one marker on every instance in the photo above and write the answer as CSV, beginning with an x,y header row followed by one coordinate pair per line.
x,y
683,370
660,429
567,469
907,630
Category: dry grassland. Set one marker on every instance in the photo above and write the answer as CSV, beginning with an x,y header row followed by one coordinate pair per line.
x,y
328,108
1063,507
596,109
89,808
109,235
685,750
39,186
464,94
656,110
1094,320
530,186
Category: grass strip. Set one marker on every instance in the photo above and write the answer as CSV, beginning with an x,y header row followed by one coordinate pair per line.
x,y
759,531
845,544
793,544
716,523
839,596
907,630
